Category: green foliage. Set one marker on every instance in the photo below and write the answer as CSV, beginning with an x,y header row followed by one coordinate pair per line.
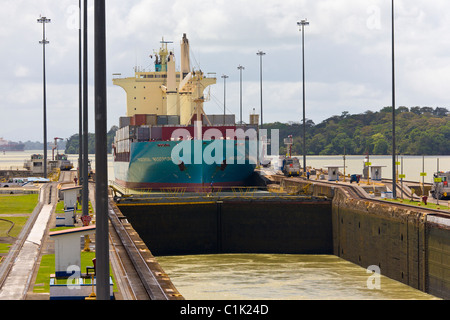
x,y
19,222
419,131
18,203
4,247
73,142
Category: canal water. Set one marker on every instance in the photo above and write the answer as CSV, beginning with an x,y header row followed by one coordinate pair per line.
x,y
280,277
277,276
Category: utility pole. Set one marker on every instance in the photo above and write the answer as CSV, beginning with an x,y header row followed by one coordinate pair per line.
x,y
240,69
394,173
261,54
302,25
80,101
85,189
224,77
101,156
44,41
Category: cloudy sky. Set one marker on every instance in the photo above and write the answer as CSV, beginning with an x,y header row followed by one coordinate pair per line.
x,y
347,56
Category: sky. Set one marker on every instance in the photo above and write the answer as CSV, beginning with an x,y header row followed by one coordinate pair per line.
x,y
348,62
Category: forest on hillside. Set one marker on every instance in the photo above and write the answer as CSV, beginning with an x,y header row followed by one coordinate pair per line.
x,y
73,142
419,131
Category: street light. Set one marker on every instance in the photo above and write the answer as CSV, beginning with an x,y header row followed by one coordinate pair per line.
x,y
80,100
261,54
101,160
240,69
302,25
224,77
394,173
44,20
85,166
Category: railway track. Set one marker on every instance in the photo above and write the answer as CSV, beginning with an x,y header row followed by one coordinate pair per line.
x,y
145,279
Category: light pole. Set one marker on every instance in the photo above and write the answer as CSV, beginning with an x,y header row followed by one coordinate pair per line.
x,y
80,100
261,54
394,173
101,161
44,41
224,77
85,166
302,25
240,69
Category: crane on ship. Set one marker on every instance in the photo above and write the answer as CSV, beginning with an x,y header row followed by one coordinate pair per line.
x,y
55,147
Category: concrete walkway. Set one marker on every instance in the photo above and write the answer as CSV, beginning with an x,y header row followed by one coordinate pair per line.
x,y
16,284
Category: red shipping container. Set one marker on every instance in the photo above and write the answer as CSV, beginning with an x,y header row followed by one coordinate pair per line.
x,y
140,119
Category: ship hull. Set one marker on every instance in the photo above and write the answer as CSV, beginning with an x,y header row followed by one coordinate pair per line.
x,y
192,165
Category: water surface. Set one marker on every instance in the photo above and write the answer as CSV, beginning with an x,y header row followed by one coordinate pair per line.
x,y
279,277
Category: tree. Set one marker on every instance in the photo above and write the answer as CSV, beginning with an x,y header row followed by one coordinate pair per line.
x,y
440,112
416,110
380,145
73,145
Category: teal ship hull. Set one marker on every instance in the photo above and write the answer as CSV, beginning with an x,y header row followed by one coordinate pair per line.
x,y
192,165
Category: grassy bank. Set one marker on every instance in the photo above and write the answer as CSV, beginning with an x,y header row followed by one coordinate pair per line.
x,y
443,204
17,203
19,222
16,209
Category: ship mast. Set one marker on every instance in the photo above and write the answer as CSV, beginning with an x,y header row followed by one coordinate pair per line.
x,y
161,62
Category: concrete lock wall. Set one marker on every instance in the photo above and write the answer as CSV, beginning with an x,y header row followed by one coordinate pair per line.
x,y
400,241
438,260
368,233
234,227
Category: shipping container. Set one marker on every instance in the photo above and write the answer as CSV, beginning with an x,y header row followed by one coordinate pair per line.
x,y
218,119
151,119
162,120
124,122
173,120
167,133
178,133
143,134
140,119
156,133
131,132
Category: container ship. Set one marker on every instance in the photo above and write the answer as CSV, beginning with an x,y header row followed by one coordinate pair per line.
x,y
166,140
10,146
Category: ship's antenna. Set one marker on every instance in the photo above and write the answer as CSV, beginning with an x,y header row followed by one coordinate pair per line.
x,y
135,59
